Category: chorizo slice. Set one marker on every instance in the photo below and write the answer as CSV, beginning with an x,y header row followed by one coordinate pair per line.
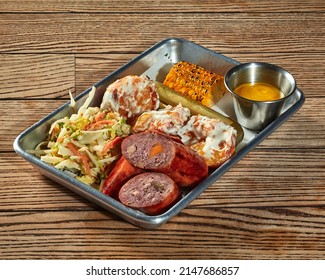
x,y
122,171
157,152
151,193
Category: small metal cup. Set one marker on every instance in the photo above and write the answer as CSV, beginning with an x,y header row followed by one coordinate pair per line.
x,y
256,115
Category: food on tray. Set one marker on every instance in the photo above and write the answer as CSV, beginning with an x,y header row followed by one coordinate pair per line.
x,y
196,82
122,172
131,96
143,166
85,144
168,120
171,97
259,91
214,140
151,192
157,152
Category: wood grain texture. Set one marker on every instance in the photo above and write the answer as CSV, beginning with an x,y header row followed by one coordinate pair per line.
x,y
270,205
158,6
36,76
260,32
236,233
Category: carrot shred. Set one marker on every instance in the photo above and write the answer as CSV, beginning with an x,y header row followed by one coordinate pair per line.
x,y
100,116
85,159
101,122
111,144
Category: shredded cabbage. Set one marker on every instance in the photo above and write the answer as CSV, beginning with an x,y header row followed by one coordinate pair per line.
x,y
86,143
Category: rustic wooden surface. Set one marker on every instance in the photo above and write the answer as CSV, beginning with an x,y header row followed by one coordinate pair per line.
x,y
271,205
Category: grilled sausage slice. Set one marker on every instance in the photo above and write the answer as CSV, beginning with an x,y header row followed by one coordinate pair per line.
x,y
150,192
122,171
157,152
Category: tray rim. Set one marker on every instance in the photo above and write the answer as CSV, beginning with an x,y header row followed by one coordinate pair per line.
x,y
135,217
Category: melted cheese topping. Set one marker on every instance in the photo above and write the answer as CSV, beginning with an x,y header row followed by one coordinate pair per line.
x,y
209,137
168,120
131,95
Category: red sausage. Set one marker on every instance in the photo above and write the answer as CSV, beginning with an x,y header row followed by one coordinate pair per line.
x,y
157,152
150,192
122,171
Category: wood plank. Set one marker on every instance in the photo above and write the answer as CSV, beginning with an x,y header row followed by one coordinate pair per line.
x,y
225,233
71,33
36,75
157,6
251,183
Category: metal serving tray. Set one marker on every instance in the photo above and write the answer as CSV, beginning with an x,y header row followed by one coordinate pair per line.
x,y
154,62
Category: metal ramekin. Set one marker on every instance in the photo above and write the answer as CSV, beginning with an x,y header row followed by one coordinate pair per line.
x,y
256,115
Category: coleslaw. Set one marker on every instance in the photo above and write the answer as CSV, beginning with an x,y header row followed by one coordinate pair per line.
x,y
85,144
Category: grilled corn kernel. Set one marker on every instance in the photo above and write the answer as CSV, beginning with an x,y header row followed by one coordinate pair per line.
x,y
196,82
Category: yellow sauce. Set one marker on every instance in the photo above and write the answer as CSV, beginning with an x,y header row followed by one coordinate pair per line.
x,y
259,92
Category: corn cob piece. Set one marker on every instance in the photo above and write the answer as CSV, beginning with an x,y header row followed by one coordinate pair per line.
x,y
196,82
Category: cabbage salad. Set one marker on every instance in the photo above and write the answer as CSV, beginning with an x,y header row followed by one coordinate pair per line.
x,y
86,143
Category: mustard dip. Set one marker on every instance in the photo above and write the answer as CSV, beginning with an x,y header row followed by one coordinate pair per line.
x,y
259,92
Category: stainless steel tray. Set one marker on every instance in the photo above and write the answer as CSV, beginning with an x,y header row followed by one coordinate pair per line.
x,y
154,62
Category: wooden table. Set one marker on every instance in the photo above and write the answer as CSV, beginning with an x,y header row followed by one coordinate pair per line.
x,y
271,205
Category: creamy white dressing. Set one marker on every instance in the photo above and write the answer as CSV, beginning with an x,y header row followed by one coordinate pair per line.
x,y
214,133
131,95
168,120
